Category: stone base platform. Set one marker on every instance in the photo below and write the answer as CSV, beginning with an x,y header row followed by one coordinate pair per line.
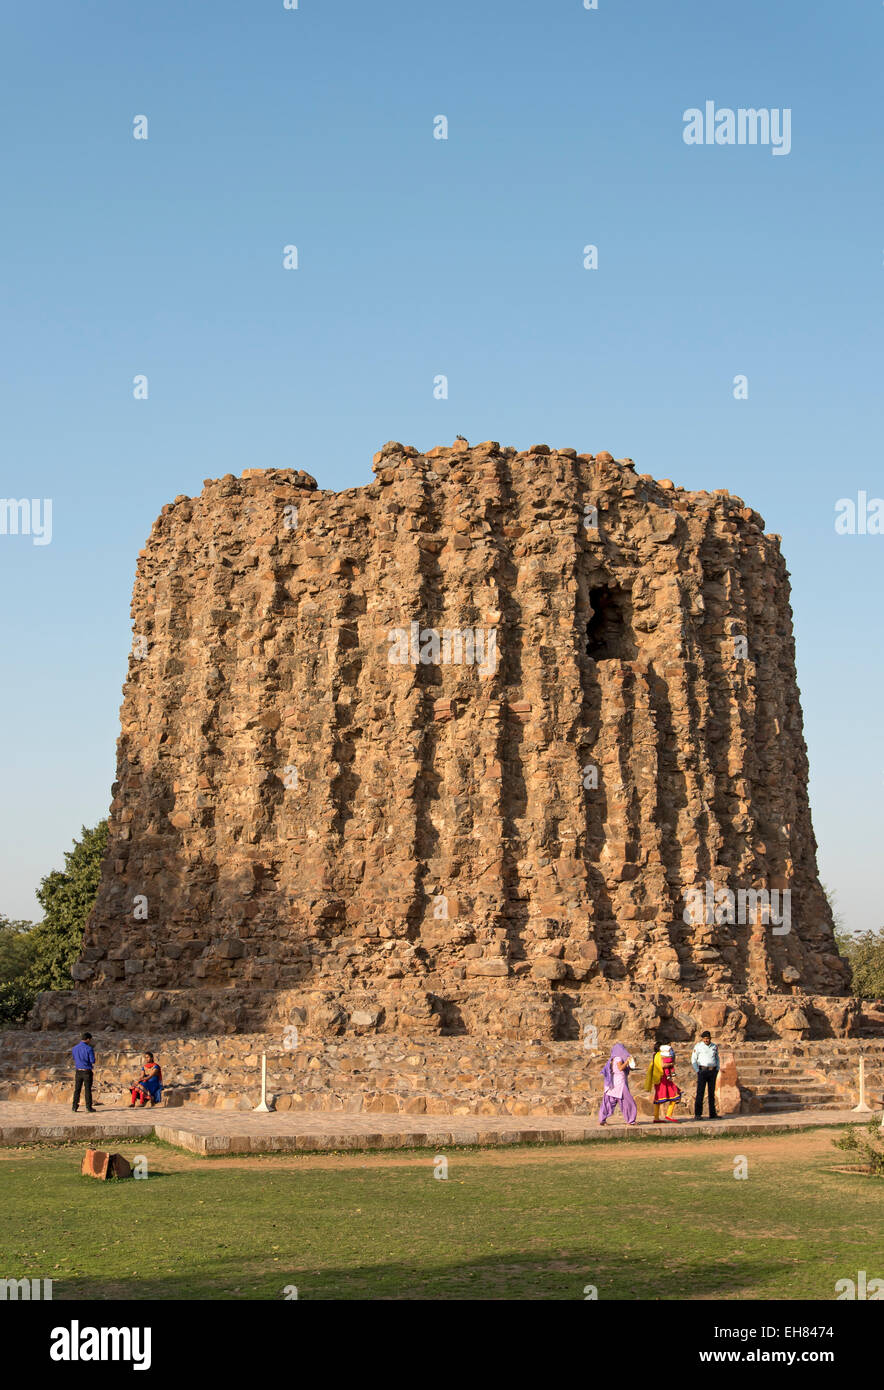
x,y
202,1131
436,1077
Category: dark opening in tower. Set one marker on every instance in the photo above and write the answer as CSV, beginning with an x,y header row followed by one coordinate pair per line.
x,y
609,635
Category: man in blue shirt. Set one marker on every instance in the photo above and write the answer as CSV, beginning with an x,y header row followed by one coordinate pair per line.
x,y
704,1060
84,1061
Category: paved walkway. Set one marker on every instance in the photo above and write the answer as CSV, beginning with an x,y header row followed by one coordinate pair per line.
x,y
207,1131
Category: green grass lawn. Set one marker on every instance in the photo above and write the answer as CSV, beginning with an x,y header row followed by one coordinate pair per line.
x,y
664,1220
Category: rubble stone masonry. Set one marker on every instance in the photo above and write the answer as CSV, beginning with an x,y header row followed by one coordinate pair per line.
x,y
448,753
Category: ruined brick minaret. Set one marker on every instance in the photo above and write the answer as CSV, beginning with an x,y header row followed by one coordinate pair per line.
x,y
449,752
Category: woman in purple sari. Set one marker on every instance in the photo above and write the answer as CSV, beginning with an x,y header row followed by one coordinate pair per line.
x,y
616,1074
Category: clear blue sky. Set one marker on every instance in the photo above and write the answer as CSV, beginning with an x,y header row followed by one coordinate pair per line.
x,y
418,257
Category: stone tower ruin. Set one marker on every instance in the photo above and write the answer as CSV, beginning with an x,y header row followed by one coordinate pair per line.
x,y
503,743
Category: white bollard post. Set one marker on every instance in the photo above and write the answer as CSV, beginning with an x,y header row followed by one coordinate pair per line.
x,y
263,1108
862,1108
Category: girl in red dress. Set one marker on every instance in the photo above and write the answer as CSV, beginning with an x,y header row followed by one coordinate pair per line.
x,y
661,1080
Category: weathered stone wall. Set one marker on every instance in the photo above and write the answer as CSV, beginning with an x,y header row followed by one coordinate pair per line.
x,y
320,834
476,1075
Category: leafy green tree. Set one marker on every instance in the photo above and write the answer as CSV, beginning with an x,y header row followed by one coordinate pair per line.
x,y
16,948
66,896
864,953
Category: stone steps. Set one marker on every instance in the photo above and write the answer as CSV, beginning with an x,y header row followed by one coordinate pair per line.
x,y
777,1084
778,1078
777,1089
776,1105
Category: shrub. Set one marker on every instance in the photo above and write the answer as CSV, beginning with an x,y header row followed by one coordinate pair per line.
x,y
16,1001
869,1150
16,948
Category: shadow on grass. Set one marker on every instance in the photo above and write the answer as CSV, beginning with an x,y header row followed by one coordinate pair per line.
x,y
514,1276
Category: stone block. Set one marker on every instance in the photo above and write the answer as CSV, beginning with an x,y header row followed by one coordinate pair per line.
x,y
99,1164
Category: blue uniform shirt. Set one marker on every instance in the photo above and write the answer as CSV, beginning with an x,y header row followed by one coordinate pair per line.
x,y
84,1057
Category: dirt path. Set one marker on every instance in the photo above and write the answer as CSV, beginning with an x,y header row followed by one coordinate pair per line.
x,y
675,1159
